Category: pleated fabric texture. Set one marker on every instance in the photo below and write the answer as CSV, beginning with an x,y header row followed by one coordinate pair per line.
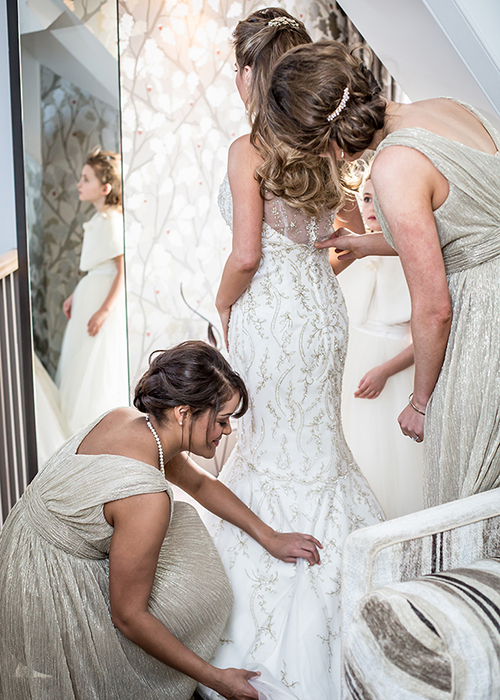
x,y
437,638
58,640
462,427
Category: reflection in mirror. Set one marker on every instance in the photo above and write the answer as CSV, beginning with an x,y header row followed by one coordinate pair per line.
x,y
70,105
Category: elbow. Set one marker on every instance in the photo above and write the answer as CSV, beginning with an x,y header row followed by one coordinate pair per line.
x,y
249,263
123,621
443,313
438,315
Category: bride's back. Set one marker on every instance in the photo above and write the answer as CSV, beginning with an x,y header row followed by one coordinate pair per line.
x,y
294,224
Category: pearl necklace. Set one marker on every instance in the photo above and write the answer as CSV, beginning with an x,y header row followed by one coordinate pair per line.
x,y
160,449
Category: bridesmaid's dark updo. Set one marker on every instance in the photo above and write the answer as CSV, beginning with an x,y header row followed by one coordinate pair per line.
x,y
191,374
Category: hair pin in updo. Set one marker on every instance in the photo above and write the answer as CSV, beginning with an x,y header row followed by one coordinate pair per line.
x,y
283,22
342,104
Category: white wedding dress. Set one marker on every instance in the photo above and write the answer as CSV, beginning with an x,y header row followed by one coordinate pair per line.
x,y
378,302
92,375
291,464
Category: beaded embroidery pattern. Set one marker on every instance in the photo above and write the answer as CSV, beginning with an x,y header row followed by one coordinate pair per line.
x,y
291,465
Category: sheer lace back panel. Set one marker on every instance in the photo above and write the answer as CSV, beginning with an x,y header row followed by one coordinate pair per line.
x,y
286,220
293,224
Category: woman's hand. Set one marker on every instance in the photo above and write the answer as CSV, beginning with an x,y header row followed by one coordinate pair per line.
x,y
353,246
290,546
224,319
96,321
67,306
412,423
372,383
234,685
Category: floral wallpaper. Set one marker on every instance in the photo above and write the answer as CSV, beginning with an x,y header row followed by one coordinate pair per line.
x,y
73,122
180,112
33,188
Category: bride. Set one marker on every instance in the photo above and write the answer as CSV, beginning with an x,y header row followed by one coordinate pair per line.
x,y
286,326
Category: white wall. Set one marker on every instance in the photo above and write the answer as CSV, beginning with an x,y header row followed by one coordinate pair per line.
x,y
436,47
7,201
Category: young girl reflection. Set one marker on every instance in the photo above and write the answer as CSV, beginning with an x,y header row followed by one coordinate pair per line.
x,y
92,372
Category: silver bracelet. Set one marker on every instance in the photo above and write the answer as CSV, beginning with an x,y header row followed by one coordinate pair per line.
x,y
422,413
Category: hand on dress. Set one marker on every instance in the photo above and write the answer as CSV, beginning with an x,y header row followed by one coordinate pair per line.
x,y
371,384
412,423
96,321
234,685
224,318
67,306
352,246
290,546
349,244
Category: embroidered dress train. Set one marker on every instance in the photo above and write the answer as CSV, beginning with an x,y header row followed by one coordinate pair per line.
x,y
291,465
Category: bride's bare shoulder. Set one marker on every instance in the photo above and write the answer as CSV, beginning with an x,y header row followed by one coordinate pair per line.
x,y
242,152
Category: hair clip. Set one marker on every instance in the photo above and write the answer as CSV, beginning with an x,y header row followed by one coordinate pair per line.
x,y
283,22
342,104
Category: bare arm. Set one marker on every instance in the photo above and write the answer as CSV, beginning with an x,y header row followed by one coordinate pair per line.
x,y
68,303
373,382
352,246
96,321
218,499
140,524
347,218
248,209
408,187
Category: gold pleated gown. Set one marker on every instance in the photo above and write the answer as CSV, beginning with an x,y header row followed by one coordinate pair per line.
x,y
57,639
462,425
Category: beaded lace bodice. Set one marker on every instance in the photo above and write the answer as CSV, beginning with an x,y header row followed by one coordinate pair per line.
x,y
279,216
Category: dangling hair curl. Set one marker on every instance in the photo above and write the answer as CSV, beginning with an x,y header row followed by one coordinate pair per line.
x,y
302,179
307,85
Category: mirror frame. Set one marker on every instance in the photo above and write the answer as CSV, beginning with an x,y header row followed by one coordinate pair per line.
x,y
22,274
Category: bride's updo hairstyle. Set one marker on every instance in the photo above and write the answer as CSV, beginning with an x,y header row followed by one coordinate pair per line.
x,y
191,374
301,179
107,167
259,41
307,87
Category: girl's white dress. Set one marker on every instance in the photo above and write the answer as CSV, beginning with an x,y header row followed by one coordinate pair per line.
x,y
93,371
291,464
51,427
379,309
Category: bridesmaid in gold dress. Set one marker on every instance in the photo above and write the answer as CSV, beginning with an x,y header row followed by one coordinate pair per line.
x,y
107,590
435,173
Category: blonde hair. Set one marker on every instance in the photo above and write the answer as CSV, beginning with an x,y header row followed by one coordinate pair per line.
x,y
307,86
301,179
107,168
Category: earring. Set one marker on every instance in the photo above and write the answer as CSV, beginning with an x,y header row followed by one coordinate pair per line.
x,y
180,422
342,154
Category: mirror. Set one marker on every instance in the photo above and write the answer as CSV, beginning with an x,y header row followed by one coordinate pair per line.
x,y
71,105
